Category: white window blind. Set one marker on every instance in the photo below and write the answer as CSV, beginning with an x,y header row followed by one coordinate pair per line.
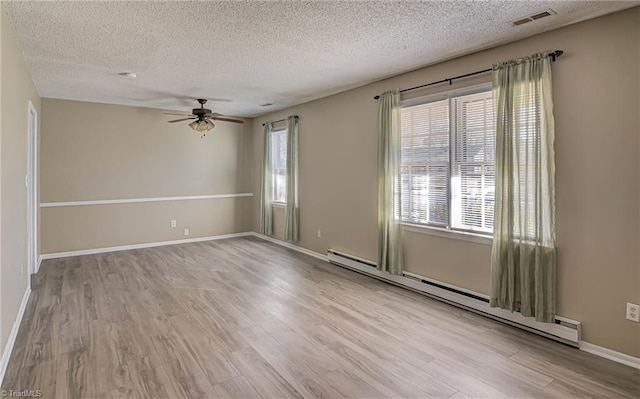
x,y
448,168
425,163
279,165
473,164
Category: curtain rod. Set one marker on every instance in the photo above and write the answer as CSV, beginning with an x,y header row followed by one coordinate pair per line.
x,y
280,120
554,55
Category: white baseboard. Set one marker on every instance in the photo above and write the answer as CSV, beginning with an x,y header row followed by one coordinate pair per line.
x,y
617,357
292,246
91,251
8,348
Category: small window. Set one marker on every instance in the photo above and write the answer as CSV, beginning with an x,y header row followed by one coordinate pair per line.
x,y
447,163
279,165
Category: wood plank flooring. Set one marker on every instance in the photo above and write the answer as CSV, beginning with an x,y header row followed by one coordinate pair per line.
x,y
244,318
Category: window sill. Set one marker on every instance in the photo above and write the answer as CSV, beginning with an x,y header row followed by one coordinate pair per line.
x,y
456,235
278,204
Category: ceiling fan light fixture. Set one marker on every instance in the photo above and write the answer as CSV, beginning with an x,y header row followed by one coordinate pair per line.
x,y
201,126
203,118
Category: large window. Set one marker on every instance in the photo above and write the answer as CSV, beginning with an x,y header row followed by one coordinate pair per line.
x,y
448,167
279,165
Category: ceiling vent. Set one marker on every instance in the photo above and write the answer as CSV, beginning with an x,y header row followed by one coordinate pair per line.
x,y
546,13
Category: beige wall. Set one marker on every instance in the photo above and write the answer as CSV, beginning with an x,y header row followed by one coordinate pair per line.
x,y
95,151
596,94
17,90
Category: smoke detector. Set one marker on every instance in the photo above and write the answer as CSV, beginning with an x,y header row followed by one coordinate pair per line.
x,y
542,14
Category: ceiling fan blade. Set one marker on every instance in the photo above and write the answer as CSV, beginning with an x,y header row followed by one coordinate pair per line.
x,y
183,119
170,113
227,119
212,114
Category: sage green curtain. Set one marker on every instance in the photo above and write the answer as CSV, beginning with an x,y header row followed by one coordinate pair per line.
x,y
523,256
266,210
291,209
389,230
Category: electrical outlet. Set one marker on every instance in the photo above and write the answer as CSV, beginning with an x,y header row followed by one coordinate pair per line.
x,y
186,232
633,312
319,233
174,223
21,268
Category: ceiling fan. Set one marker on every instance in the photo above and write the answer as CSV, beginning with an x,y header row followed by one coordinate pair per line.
x,y
203,118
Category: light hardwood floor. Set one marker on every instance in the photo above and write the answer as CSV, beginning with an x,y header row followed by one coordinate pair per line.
x,y
244,318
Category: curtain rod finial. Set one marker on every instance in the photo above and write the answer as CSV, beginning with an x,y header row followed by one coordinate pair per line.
x,y
556,54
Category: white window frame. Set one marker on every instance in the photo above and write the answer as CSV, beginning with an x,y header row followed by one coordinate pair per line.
x,y
448,231
283,132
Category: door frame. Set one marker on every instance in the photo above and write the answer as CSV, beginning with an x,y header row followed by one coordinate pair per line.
x,y
31,181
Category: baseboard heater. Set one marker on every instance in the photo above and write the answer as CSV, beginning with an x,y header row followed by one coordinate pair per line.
x,y
563,330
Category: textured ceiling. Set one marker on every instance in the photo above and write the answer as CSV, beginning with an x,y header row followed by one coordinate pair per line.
x,y
252,53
